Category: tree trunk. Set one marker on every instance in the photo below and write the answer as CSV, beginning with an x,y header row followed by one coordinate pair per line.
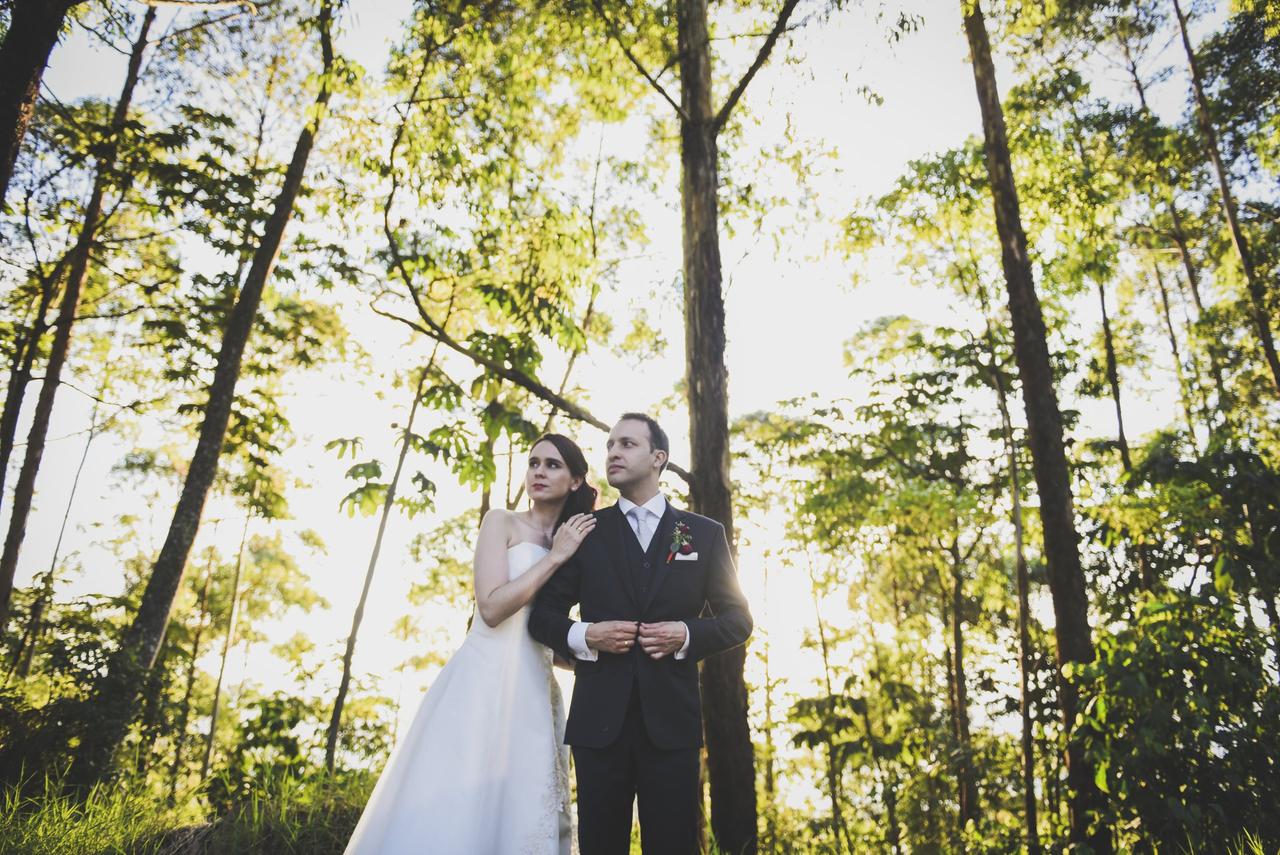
x,y
152,718
1044,428
1144,580
1024,607
227,642
25,651
26,349
949,663
335,720
1113,380
34,27
1256,288
730,755
1184,253
1165,182
117,696
184,715
1175,351
24,490
833,766
1273,615
968,786
894,835
770,751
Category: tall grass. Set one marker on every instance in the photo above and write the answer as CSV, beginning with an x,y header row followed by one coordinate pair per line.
x,y
282,816
41,819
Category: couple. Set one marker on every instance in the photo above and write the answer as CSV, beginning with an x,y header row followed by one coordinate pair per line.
x,y
482,770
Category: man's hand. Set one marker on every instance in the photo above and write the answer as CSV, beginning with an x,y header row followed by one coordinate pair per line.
x,y
613,636
661,639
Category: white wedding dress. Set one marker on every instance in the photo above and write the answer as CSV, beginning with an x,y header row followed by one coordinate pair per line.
x,y
482,770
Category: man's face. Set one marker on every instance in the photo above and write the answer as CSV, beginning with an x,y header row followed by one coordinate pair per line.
x,y
629,454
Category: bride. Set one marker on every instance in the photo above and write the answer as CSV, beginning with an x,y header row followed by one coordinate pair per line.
x,y
482,770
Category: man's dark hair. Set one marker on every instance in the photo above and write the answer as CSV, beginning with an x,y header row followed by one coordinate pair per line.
x,y
657,436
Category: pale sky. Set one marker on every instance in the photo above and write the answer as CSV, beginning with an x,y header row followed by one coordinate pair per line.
x,y
789,309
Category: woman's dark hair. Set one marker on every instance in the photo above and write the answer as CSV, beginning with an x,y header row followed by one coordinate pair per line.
x,y
583,499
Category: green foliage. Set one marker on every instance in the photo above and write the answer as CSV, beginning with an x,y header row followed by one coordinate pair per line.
x,y
1181,725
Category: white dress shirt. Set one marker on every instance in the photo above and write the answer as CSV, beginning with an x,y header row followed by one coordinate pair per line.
x,y
644,521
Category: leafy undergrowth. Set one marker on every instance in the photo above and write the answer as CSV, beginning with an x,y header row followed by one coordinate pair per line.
x,y
283,816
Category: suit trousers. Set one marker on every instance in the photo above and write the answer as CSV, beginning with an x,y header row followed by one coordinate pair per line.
x,y
610,779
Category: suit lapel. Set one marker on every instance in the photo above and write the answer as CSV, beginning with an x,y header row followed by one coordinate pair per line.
x,y
619,529
659,547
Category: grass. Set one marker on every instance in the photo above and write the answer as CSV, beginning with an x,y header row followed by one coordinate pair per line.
x,y
45,821
313,815
309,815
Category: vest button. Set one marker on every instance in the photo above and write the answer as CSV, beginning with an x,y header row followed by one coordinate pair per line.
x,y
646,565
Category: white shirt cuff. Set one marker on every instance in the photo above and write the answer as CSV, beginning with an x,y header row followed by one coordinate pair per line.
x,y
683,652
578,642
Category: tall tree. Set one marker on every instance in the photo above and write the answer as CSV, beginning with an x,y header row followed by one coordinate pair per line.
x,y
1044,430
26,347
408,439
116,698
1022,582
730,757
1259,312
78,270
34,28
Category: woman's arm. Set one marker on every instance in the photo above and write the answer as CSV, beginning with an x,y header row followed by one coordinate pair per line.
x,y
497,598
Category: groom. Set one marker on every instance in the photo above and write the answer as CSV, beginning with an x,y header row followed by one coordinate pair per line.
x,y
657,591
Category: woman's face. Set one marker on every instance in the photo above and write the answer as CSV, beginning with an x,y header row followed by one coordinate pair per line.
x,y
548,478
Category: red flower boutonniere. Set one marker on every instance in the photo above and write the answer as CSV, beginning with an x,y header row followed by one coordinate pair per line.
x,y
681,541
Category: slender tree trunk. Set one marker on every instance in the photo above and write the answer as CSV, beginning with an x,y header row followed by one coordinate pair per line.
x,y
957,705
730,755
1113,380
1166,184
24,490
335,720
34,27
226,652
26,650
966,773
1023,587
152,716
1256,288
833,767
770,751
1184,253
184,715
117,696
26,350
894,835
1044,428
1165,312
887,779
949,661
1144,580
1269,601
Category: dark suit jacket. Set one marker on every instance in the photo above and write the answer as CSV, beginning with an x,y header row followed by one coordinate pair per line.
x,y
612,579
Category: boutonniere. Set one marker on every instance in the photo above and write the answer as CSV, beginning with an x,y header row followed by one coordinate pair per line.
x,y
681,541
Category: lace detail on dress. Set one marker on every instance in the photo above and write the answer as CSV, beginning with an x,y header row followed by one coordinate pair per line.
x,y
556,820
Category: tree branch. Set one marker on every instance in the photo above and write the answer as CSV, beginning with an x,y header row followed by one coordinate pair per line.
x,y
203,4
653,81
761,58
